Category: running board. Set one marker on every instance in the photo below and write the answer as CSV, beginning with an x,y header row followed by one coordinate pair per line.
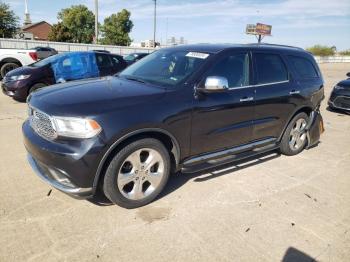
x,y
229,155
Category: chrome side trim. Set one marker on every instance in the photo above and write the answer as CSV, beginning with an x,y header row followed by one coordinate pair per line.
x,y
229,151
267,84
55,184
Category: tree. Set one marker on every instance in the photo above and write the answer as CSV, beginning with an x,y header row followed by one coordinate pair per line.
x,y
79,22
320,50
116,29
60,33
8,21
345,52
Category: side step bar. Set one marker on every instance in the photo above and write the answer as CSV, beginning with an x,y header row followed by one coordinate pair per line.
x,y
228,155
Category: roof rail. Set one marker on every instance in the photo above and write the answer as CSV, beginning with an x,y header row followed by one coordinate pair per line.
x,y
267,44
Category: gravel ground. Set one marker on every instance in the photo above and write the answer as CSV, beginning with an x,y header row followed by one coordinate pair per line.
x,y
273,208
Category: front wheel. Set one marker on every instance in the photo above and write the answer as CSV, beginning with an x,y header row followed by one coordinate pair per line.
x,y
137,174
295,138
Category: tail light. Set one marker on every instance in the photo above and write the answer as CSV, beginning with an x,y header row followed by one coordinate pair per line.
x,y
33,55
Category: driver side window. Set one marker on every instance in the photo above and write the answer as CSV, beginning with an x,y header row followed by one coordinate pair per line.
x,y
235,68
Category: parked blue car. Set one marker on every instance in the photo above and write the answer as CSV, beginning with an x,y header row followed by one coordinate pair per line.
x,y
60,68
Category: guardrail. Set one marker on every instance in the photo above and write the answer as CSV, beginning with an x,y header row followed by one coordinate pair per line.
x,y
69,47
332,59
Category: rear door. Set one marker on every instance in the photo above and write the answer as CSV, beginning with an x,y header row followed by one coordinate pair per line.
x,y
274,87
118,64
223,120
104,63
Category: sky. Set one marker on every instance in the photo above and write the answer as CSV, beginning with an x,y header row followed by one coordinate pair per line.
x,y
300,23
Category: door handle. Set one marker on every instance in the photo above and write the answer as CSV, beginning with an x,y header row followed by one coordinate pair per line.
x,y
246,99
294,92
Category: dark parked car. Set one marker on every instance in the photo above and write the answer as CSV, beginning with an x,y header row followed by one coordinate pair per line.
x,y
340,96
183,108
133,57
44,52
60,68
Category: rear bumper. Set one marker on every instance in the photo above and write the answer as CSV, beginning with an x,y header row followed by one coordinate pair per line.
x,y
315,128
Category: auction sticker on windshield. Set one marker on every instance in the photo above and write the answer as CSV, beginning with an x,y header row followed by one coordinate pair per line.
x,y
197,55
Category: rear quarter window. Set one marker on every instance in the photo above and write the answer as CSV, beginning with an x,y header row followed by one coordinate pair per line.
x,y
303,67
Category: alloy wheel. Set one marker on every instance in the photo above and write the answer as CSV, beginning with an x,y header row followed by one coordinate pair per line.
x,y
297,135
140,174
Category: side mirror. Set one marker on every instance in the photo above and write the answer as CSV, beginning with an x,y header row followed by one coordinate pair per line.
x,y
215,84
348,74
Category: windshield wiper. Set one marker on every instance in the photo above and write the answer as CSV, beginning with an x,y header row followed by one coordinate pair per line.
x,y
135,79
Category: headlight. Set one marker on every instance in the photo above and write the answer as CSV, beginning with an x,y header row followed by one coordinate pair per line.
x,y
76,127
338,87
19,77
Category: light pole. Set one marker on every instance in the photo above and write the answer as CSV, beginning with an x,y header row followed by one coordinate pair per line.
x,y
154,22
96,21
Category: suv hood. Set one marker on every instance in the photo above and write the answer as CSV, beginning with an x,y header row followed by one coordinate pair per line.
x,y
93,96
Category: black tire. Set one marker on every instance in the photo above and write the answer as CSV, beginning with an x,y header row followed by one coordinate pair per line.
x,y
285,146
36,87
7,67
110,183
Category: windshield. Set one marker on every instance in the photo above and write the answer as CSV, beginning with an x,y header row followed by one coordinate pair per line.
x,y
129,58
165,67
47,61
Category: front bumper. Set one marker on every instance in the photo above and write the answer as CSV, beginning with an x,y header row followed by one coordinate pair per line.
x,y
56,181
340,99
69,166
339,102
15,89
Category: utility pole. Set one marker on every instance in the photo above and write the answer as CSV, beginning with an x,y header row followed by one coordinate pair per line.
x,y
166,33
27,20
155,22
96,21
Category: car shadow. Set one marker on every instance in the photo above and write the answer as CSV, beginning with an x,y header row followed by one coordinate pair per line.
x,y
294,255
179,179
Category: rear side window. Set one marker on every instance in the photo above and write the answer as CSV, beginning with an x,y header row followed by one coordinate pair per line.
x,y
103,60
271,68
304,67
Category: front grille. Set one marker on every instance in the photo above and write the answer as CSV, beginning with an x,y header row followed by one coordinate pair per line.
x,y
342,102
42,124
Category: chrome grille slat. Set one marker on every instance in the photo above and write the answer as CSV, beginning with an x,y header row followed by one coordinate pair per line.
x,y
42,124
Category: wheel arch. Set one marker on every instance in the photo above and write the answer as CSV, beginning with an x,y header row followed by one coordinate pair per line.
x,y
306,109
162,135
10,60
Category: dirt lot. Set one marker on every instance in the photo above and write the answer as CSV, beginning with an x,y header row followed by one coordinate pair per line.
x,y
271,209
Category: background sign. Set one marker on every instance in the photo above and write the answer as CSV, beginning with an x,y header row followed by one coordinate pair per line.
x,y
262,29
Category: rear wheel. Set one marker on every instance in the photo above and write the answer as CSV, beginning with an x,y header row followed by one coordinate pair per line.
x,y
7,67
137,174
294,138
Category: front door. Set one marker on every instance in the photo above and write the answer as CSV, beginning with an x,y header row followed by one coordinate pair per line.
x,y
223,120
